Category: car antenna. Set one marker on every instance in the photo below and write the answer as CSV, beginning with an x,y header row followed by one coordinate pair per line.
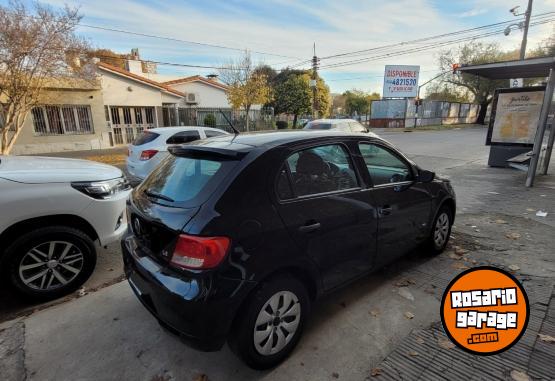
x,y
235,131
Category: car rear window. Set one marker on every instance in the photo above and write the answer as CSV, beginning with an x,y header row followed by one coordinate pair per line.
x,y
185,180
183,137
145,137
318,126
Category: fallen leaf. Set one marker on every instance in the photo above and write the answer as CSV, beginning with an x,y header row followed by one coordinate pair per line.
x,y
430,291
530,210
409,315
420,340
374,312
546,338
473,261
500,221
514,268
413,353
459,266
335,375
445,343
375,372
406,294
454,256
201,377
517,375
460,251
512,235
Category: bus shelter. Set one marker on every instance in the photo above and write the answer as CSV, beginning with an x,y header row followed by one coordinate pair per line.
x,y
536,160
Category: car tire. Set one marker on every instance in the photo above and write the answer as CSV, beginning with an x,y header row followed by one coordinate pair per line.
x,y
256,350
28,257
440,232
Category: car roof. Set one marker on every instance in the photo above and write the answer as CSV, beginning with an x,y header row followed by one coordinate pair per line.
x,y
182,128
275,138
332,121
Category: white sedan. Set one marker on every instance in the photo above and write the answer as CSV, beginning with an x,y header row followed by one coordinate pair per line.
x,y
151,147
54,213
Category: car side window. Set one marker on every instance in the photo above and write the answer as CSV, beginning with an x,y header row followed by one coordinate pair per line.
x,y
211,133
321,169
283,186
384,166
183,137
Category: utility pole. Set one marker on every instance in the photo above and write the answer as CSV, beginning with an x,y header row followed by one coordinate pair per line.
x,y
313,83
527,15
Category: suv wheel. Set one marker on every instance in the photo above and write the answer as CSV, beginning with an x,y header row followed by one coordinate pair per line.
x,y
441,231
272,323
50,262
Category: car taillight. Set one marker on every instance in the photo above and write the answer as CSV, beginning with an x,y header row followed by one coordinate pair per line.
x,y
193,252
148,154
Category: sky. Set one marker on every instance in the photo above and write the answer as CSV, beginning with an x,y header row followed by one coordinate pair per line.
x,y
283,32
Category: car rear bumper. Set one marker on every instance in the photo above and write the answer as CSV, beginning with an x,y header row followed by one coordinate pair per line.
x,y
198,309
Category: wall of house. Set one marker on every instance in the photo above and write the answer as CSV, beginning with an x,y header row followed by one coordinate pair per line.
x,y
208,96
28,142
120,91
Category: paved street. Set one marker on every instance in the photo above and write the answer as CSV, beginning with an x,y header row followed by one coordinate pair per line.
x,y
108,335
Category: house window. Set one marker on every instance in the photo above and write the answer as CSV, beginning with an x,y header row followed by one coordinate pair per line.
x,y
127,115
138,115
149,114
115,115
62,120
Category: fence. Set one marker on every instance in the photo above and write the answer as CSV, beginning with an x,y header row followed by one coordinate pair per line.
x,y
259,120
402,113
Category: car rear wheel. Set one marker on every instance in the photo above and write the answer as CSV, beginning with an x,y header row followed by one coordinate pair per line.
x,y
441,231
48,263
271,324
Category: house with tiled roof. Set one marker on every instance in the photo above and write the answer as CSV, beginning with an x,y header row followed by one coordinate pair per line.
x,y
201,91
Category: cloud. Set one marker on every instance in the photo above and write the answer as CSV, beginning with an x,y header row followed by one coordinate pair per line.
x,y
287,27
473,12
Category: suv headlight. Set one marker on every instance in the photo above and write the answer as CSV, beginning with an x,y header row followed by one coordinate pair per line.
x,y
102,189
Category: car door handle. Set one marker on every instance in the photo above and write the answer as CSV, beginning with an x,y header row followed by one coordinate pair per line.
x,y
385,210
310,227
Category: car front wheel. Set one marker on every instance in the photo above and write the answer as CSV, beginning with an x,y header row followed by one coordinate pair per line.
x,y
50,262
441,231
272,323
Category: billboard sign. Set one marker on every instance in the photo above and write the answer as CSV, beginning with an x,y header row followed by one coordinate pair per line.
x,y
400,81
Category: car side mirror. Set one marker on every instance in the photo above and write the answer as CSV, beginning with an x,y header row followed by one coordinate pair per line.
x,y
425,176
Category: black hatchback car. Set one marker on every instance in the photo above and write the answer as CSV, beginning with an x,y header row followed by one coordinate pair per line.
x,y
231,238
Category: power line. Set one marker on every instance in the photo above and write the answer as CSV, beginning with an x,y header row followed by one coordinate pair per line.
x,y
182,41
422,48
463,31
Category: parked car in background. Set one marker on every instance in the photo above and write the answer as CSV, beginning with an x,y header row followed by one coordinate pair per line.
x,y
346,125
151,147
234,237
54,212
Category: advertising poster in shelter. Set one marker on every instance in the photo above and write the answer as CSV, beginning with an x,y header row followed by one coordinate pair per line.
x,y
515,116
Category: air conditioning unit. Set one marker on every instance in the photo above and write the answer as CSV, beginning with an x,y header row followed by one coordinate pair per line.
x,y
192,98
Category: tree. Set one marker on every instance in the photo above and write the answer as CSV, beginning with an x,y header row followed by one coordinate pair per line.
x,y
358,101
38,49
246,85
293,96
109,57
442,92
324,98
473,53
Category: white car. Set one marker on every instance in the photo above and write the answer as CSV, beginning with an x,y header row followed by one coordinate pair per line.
x,y
54,212
347,125
151,147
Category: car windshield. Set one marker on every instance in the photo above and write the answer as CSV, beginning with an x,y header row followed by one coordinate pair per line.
x,y
145,137
318,126
184,180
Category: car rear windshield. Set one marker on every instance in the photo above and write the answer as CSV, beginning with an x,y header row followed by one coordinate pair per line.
x,y
317,126
145,137
185,181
